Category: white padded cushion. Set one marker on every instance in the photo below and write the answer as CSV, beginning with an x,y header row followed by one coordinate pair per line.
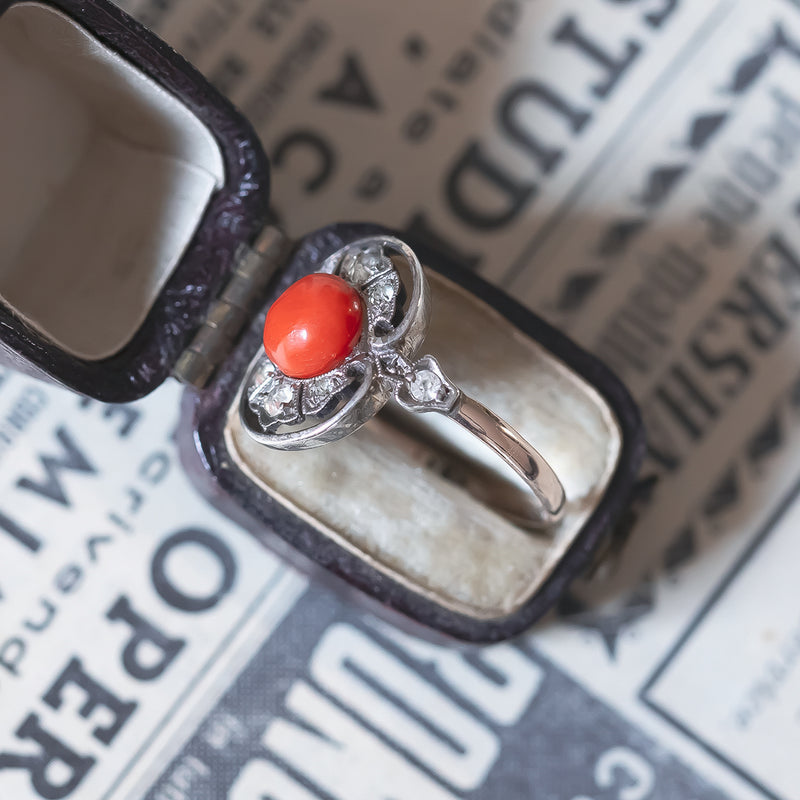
x,y
104,177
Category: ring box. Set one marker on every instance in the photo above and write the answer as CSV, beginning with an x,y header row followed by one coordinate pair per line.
x,y
136,244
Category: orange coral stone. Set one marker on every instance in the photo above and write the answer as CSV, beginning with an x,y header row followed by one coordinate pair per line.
x,y
313,326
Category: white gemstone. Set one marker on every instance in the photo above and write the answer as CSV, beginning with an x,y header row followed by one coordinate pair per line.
x,y
361,267
321,389
262,386
277,399
264,373
381,299
370,259
425,386
325,385
383,291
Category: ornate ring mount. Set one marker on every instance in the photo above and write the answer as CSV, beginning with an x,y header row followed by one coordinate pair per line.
x,y
340,343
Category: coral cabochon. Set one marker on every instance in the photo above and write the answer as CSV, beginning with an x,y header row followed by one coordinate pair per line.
x,y
313,326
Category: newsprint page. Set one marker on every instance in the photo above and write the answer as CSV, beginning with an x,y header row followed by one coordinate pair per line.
x,y
630,169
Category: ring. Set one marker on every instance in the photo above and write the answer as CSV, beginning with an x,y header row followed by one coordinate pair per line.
x,y
341,342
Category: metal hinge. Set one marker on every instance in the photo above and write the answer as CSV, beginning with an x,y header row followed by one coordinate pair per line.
x,y
233,309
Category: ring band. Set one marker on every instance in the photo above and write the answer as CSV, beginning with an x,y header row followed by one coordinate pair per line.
x,y
340,343
547,505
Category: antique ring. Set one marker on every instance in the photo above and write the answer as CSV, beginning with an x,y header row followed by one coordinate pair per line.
x,y
339,343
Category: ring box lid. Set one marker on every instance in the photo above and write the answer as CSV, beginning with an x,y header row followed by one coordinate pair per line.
x,y
129,185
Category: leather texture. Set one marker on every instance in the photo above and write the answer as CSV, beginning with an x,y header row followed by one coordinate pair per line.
x,y
236,213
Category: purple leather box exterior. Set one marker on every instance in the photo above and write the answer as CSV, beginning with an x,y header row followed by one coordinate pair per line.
x,y
236,495
237,212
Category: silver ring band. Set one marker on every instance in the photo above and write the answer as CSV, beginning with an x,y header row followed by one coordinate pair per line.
x,y
549,498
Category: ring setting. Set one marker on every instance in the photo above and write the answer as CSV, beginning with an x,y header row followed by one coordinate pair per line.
x,y
342,342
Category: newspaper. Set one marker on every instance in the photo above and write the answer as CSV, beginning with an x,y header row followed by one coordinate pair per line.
x,y
627,168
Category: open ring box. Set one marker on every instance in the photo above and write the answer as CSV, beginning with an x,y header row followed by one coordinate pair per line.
x,y
133,222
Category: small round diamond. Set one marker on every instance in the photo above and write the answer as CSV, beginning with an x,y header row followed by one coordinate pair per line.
x,y
264,384
425,386
325,385
264,372
361,267
320,390
277,399
382,292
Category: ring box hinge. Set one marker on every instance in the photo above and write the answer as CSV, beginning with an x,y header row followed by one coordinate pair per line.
x,y
232,310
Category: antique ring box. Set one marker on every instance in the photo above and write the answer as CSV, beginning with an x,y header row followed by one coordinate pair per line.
x,y
136,244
